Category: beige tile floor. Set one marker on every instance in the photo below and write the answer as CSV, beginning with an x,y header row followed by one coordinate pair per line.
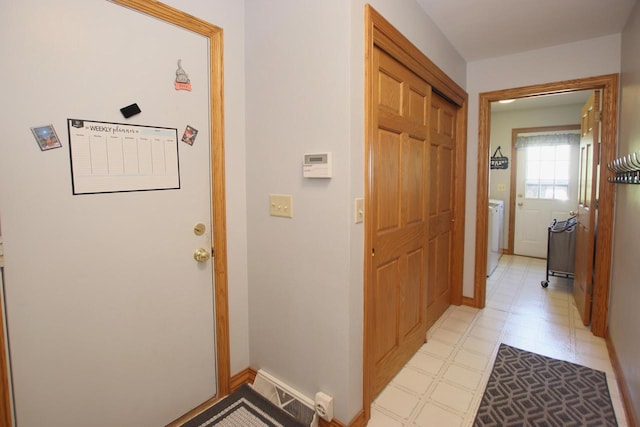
x,y
442,385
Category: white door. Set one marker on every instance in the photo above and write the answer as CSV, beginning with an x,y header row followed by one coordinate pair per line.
x,y
110,318
546,189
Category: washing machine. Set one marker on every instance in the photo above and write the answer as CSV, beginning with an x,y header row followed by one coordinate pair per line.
x,y
495,227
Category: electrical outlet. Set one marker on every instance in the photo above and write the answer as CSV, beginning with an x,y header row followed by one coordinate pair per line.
x,y
281,205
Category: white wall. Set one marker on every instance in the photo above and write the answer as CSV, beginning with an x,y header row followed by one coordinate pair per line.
x,y
305,92
297,101
569,61
411,20
624,316
502,124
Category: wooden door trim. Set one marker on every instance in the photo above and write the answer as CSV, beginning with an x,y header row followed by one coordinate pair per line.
x,y
218,200
609,86
514,174
6,412
379,33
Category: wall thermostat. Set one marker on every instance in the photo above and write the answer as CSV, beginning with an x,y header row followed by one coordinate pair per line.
x,y
316,165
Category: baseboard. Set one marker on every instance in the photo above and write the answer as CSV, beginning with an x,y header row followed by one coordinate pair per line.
x,y
243,377
469,302
359,421
332,423
632,420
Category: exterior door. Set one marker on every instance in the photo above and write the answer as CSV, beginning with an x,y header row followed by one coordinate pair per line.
x,y
587,206
546,189
399,218
441,196
110,318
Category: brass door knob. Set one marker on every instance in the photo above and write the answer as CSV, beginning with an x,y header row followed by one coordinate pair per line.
x,y
573,213
201,255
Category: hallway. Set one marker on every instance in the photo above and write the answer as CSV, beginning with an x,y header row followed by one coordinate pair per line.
x,y
442,385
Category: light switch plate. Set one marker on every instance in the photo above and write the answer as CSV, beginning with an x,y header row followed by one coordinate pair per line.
x,y
281,205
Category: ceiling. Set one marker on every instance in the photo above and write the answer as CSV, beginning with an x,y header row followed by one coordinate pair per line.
x,y
481,29
571,98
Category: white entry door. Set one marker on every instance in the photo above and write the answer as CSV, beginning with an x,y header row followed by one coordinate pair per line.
x,y
546,189
110,319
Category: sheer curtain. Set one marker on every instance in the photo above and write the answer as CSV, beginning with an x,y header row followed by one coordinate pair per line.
x,y
531,140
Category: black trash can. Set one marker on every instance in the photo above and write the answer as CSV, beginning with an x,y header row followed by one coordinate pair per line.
x,y
561,249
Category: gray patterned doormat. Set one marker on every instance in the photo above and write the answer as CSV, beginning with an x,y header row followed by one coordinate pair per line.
x,y
528,389
244,407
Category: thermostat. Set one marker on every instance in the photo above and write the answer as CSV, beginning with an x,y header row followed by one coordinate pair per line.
x,y
316,165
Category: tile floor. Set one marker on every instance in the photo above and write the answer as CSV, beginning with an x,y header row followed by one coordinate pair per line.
x,y
442,385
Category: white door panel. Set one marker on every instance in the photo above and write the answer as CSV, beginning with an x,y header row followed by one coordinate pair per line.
x,y
530,238
560,215
533,216
110,318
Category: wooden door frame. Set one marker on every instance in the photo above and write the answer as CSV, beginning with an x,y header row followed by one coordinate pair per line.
x,y
514,174
218,201
215,36
6,411
602,275
379,33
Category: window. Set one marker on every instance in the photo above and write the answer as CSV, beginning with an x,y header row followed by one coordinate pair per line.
x,y
547,172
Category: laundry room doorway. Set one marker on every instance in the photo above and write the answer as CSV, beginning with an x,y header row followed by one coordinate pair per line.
x,y
608,87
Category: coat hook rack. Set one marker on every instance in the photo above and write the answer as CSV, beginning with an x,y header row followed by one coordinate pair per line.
x,y
626,169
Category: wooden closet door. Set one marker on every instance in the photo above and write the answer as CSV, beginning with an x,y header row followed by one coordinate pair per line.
x,y
441,197
397,285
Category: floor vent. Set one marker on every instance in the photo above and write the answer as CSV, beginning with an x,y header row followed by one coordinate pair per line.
x,y
293,402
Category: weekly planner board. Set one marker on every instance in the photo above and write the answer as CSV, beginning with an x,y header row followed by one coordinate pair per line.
x,y
115,157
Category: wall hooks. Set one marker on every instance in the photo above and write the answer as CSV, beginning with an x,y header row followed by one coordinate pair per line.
x,y
626,168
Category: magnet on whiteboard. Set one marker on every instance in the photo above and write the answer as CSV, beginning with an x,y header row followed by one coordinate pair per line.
x,y
130,110
182,78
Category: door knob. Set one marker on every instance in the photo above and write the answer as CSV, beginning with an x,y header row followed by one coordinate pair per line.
x,y
201,255
573,213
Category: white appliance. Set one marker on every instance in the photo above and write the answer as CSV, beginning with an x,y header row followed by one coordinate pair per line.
x,y
494,234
